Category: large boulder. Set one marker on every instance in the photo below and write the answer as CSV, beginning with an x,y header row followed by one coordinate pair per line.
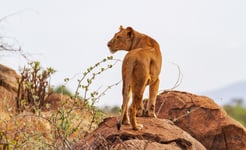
x,y
8,88
8,78
203,119
156,134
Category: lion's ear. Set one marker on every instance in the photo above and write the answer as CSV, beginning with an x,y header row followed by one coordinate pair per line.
x,y
130,31
121,28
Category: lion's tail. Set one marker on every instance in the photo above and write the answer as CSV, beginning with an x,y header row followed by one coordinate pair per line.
x,y
127,71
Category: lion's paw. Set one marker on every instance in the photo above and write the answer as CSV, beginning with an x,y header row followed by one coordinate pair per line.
x,y
140,113
138,127
151,114
126,122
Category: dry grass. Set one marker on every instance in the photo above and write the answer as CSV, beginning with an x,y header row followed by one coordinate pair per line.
x,y
50,129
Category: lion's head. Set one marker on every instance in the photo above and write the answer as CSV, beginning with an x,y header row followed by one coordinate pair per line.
x,y
122,40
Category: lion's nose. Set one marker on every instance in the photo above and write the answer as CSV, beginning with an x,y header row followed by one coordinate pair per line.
x,y
109,44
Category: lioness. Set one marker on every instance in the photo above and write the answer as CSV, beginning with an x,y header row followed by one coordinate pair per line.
x,y
141,67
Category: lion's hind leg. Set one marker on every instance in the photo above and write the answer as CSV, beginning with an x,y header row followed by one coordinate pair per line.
x,y
133,111
136,103
153,91
124,119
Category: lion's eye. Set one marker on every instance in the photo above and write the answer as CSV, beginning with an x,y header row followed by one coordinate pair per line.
x,y
117,37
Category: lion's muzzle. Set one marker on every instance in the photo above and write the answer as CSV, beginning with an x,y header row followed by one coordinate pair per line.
x,y
111,47
109,44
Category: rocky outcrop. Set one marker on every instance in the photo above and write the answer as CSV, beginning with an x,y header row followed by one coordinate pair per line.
x,y
8,88
156,134
8,78
203,119
199,116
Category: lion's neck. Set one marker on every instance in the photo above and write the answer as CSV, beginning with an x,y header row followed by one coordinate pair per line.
x,y
143,41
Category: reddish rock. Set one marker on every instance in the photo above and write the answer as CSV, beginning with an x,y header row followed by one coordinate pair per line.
x,y
56,100
8,78
7,100
8,88
156,134
203,119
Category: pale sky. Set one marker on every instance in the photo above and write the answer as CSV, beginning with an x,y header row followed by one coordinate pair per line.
x,y
206,38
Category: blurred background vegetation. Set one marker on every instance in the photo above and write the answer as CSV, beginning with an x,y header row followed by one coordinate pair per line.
x,y
236,110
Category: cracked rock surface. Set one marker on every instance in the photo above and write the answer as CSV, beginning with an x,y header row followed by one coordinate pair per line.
x,y
156,134
203,119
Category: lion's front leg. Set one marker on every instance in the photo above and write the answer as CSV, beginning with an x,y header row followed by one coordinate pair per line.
x,y
153,91
140,110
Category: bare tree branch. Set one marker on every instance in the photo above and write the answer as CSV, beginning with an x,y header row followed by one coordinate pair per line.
x,y
13,14
180,77
5,45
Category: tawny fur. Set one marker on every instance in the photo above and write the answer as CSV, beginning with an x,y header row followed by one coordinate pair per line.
x,y
141,67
